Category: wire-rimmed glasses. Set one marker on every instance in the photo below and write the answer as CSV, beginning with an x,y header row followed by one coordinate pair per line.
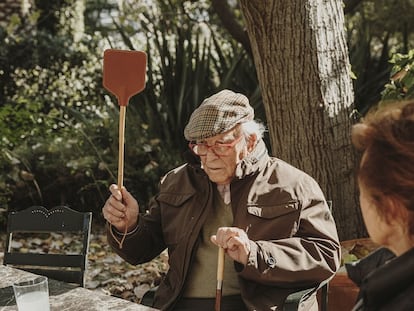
x,y
218,148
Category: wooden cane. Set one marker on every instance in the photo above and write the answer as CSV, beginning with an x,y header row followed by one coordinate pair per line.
x,y
220,273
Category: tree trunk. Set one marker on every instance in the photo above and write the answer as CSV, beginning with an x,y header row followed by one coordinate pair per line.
x,y
301,57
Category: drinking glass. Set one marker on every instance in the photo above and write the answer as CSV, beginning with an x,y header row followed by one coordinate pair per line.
x,y
32,294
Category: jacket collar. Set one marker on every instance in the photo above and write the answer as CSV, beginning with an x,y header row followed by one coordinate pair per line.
x,y
253,162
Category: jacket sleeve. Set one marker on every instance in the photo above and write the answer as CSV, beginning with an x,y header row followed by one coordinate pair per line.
x,y
153,233
308,255
145,242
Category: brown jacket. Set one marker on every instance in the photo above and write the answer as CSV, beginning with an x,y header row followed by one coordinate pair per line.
x,y
294,242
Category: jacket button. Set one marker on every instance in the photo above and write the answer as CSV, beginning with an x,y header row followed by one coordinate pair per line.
x,y
271,262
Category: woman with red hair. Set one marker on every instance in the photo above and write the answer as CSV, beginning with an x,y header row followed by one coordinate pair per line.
x,y
386,182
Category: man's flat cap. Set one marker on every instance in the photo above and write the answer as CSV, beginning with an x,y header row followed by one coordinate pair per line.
x,y
218,114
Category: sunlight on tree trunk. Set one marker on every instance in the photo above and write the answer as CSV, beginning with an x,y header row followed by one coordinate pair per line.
x,y
301,57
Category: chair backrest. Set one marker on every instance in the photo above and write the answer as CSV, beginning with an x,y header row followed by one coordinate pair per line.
x,y
63,265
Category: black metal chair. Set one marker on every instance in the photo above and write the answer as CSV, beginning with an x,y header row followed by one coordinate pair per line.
x,y
63,266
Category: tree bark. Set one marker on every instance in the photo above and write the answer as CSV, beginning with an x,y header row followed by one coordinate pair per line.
x,y
301,57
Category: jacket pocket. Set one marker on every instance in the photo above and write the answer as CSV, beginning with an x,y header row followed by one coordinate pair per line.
x,y
273,211
174,199
175,216
271,222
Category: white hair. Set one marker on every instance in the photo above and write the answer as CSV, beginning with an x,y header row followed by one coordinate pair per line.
x,y
253,127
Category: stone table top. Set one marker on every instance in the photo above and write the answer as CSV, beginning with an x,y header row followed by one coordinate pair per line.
x,y
63,296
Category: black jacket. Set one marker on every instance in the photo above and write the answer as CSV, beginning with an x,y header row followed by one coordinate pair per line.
x,y
386,282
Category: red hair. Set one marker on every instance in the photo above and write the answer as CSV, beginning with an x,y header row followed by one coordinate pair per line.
x,y
386,138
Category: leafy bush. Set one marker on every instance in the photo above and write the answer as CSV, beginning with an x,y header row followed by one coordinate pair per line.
x,y
60,127
401,84
374,35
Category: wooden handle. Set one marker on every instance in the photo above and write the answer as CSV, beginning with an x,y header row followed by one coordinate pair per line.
x,y
121,147
220,273
220,266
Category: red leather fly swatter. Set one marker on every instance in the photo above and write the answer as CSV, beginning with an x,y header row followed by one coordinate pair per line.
x,y
124,76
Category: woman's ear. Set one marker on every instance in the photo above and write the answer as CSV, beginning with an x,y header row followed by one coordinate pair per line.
x,y
396,211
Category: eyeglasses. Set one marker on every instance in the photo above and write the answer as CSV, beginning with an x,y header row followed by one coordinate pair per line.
x,y
218,149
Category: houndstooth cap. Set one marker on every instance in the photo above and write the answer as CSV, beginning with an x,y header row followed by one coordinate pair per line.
x,y
218,114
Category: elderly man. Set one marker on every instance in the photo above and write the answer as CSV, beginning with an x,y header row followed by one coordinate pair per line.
x,y
271,219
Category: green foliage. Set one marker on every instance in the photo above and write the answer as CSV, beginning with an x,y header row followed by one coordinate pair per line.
x,y
59,127
401,84
186,63
51,114
376,31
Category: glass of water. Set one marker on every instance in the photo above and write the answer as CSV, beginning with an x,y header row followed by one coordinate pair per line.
x,y
32,294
